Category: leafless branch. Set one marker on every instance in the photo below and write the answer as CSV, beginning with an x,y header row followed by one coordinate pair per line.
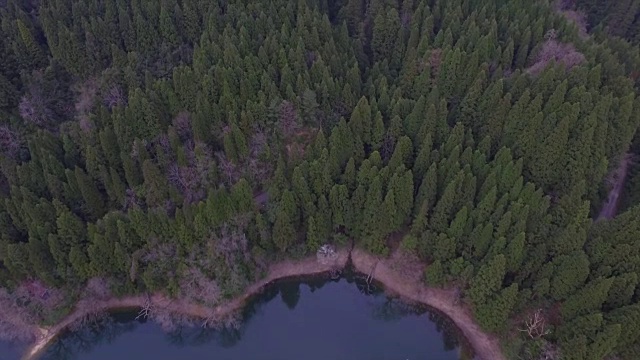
x,y
407,264
535,325
9,142
227,168
114,96
288,117
86,96
33,109
553,50
131,200
146,309
197,287
182,124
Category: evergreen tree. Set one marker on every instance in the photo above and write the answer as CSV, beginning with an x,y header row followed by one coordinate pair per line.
x,y
283,231
90,193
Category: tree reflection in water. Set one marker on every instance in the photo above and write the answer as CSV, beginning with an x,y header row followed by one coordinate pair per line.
x,y
188,336
290,294
393,309
104,330
82,342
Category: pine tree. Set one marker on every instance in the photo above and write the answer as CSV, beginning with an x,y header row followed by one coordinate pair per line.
x,y
314,240
447,78
402,154
569,274
340,207
442,211
588,299
544,167
514,252
377,132
629,318
90,193
493,315
469,106
457,227
36,56
361,121
487,281
156,185
428,190
283,231
167,26
421,163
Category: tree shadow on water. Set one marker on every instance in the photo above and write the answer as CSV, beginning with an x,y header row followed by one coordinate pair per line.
x,y
194,336
84,339
290,294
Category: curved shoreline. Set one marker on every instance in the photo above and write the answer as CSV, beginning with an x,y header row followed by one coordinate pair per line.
x,y
484,345
280,270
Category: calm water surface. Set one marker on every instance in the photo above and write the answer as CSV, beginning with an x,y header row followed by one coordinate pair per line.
x,y
332,320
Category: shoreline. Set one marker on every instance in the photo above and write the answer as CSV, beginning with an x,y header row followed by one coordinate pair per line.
x,y
280,270
484,345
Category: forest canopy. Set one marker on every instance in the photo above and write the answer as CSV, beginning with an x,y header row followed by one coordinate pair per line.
x,y
182,145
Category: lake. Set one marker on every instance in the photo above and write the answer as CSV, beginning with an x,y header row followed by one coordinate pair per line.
x,y
292,320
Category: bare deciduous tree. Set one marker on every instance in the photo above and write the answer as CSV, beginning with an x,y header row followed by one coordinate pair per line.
x,y
30,304
182,124
535,325
579,19
43,102
197,287
169,320
227,168
257,143
162,140
259,170
188,181
159,252
114,96
9,142
87,92
16,322
326,254
407,264
564,4
98,288
91,318
131,200
434,61
405,19
85,124
32,108
553,50
146,309
230,244
288,118
232,321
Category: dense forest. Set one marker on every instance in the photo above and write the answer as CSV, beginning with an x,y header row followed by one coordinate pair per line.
x,y
183,145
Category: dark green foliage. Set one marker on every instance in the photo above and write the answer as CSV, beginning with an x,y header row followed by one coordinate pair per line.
x,y
151,141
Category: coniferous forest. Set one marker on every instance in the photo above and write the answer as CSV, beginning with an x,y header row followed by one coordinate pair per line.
x,y
183,145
